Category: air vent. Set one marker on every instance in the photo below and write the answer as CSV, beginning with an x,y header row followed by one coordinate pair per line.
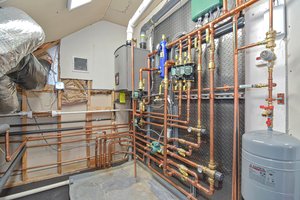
x,y
80,64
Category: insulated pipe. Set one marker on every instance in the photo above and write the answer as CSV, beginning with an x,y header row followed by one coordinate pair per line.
x,y
35,191
4,128
63,122
43,131
58,113
132,22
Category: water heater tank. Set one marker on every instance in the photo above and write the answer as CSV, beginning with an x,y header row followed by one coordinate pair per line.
x,y
270,166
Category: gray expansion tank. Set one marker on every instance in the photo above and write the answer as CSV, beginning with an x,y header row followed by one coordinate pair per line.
x,y
270,166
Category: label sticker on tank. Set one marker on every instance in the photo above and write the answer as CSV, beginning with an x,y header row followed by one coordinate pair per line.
x,y
262,175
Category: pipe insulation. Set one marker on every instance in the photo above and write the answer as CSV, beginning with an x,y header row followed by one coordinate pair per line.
x,y
132,22
20,35
35,191
4,128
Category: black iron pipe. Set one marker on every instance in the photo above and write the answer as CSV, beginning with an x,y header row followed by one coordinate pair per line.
x,y
17,133
55,123
11,167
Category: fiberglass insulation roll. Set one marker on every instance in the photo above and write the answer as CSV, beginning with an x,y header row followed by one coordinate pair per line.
x,y
8,96
19,36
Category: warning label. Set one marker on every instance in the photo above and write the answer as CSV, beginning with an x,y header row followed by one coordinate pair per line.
x,y
262,175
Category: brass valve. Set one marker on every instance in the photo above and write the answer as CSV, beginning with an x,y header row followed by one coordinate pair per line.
x,y
142,85
183,170
142,106
181,152
176,84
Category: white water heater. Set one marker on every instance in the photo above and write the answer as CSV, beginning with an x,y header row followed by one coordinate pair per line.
x,y
270,166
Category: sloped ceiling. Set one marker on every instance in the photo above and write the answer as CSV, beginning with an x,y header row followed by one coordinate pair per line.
x,y
58,22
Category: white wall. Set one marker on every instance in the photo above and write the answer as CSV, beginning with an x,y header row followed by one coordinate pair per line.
x,y
293,52
97,43
255,31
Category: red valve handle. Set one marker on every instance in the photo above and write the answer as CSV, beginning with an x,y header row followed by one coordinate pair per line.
x,y
267,107
269,122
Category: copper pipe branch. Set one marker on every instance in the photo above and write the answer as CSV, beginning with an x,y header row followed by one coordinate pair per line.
x,y
211,67
8,155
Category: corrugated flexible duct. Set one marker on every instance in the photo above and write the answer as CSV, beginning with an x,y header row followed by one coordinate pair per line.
x,y
20,35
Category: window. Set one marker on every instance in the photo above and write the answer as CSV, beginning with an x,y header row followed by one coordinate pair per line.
x,y
72,4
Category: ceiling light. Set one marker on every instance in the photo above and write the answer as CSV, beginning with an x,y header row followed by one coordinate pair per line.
x,y
72,4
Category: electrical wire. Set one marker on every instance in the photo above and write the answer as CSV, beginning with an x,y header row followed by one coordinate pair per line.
x,y
46,141
159,134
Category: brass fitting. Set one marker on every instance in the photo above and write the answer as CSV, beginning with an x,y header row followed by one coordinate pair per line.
x,y
183,170
211,183
260,85
207,38
142,84
196,43
160,89
176,85
211,65
142,106
209,172
180,84
185,56
181,152
176,60
184,87
212,165
270,39
196,130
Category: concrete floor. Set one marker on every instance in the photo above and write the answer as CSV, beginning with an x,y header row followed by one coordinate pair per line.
x,y
118,183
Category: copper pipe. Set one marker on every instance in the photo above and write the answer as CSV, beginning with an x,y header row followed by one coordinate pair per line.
x,y
151,158
180,52
235,161
251,45
225,6
212,164
8,156
188,195
208,191
7,147
168,65
271,11
96,153
68,135
71,141
133,105
180,99
199,70
145,70
215,21
189,49
110,145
